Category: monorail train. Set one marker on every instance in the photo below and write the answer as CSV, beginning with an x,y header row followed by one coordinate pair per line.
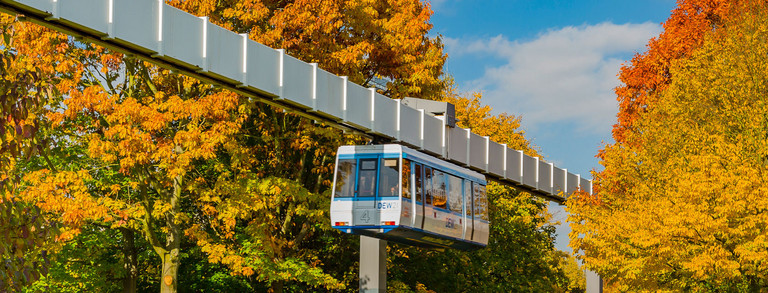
x,y
398,194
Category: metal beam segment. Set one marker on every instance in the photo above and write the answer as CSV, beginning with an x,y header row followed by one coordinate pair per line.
x,y
168,37
409,131
559,183
458,145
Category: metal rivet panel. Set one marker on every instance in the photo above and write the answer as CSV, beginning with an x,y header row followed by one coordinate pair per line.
x,y
329,94
545,177
433,134
358,112
586,185
496,160
514,166
573,183
384,116
297,82
458,142
40,6
410,126
222,59
558,181
530,171
182,38
478,150
135,24
262,68
95,21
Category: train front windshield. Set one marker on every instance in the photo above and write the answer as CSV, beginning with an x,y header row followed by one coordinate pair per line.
x,y
345,178
364,177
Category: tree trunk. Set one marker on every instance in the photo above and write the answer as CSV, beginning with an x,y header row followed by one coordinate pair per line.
x,y
169,273
130,260
168,251
170,255
276,287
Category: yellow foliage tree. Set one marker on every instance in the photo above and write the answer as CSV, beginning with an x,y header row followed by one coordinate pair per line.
x,y
683,208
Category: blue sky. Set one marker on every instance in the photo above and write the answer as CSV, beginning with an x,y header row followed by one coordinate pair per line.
x,y
552,62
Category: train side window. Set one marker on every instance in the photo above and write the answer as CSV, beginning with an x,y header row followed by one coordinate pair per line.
x,y
428,185
345,178
481,202
406,178
419,182
439,198
389,181
454,193
366,187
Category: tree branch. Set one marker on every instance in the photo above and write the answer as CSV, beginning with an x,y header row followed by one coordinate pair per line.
x,y
147,230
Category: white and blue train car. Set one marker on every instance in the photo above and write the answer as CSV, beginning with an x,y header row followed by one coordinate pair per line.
x,y
398,194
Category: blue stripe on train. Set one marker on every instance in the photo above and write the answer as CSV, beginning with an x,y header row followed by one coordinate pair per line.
x,y
392,227
413,158
406,200
369,198
449,171
385,228
369,156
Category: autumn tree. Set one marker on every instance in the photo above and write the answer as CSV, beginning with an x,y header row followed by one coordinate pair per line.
x,y
166,157
25,91
645,77
649,72
285,162
680,206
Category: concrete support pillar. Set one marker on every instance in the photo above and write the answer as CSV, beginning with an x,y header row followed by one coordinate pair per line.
x,y
373,265
594,282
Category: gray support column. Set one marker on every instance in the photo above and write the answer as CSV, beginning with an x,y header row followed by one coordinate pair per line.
x,y
594,282
373,265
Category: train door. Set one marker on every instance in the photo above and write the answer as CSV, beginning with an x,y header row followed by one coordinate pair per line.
x,y
428,211
456,220
470,211
365,199
388,203
408,202
480,214
466,228
418,204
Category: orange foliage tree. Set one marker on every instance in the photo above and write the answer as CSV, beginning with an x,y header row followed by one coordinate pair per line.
x,y
138,149
24,93
649,72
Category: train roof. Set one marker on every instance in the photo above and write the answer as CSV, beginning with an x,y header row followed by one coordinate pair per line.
x,y
397,149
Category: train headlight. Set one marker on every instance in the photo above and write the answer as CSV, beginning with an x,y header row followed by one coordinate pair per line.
x,y
387,223
341,224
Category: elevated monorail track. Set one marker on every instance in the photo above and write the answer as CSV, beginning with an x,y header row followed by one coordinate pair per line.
x,y
170,38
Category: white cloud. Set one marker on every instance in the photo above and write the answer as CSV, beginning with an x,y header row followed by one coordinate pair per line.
x,y
436,3
564,75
